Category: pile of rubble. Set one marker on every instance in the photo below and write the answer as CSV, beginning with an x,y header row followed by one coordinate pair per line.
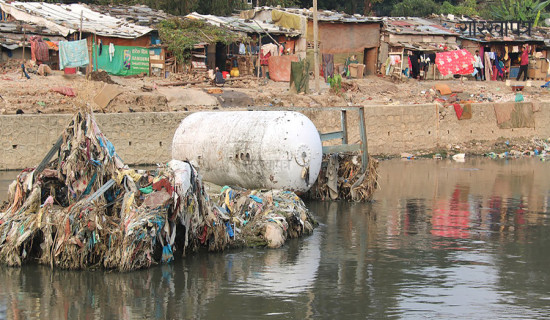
x,y
10,66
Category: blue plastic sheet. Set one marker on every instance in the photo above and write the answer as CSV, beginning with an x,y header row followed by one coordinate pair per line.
x,y
167,254
229,229
256,198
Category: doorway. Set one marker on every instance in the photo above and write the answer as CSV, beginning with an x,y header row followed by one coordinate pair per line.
x,y
221,56
369,60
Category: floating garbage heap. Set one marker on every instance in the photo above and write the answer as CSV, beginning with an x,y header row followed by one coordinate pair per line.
x,y
83,208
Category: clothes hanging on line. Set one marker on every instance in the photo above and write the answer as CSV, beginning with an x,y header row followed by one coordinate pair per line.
x,y
455,62
270,48
39,49
328,65
395,59
111,51
73,54
488,66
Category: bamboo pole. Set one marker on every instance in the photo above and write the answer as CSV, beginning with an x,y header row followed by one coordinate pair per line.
x,y
24,42
23,54
277,43
81,21
315,45
259,52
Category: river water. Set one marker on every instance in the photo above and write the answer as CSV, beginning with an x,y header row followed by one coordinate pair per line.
x,y
442,240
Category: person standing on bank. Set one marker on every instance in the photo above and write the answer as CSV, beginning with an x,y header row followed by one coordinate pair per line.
x,y
524,63
478,64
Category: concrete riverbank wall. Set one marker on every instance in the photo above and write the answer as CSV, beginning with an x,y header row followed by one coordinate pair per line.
x,y
145,138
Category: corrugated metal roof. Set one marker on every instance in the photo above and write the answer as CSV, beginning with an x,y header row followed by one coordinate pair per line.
x,y
326,15
65,18
426,47
139,14
12,34
415,26
28,28
242,25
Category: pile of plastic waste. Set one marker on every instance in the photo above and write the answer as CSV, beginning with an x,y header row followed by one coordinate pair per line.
x,y
81,207
84,208
537,147
342,177
263,218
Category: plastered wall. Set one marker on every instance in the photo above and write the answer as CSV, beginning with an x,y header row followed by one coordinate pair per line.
x,y
145,138
139,138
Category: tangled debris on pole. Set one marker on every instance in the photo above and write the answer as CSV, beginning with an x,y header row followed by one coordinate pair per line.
x,y
81,207
341,177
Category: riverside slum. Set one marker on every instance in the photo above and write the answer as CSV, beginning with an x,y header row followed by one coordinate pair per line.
x,y
81,207
177,88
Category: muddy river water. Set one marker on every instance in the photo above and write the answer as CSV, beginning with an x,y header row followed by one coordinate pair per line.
x,y
442,240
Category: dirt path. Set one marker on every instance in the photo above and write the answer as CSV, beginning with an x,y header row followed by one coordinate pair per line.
x,y
35,95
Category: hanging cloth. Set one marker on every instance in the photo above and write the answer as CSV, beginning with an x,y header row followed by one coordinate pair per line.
x,y
73,54
488,66
111,51
328,65
299,76
506,53
39,49
388,65
455,62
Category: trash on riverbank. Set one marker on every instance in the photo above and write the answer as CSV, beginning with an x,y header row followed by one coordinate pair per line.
x,y
536,147
459,157
342,178
81,207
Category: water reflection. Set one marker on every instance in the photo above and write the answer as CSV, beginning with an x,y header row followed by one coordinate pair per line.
x,y
442,240
211,285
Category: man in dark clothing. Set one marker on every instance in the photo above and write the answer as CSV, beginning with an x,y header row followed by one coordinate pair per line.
x,y
218,78
524,63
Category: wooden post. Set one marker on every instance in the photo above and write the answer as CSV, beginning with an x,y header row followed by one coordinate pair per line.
x,y
23,54
259,52
315,46
259,26
81,21
24,42
95,54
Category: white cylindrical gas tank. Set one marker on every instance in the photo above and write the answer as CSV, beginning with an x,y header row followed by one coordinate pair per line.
x,y
251,149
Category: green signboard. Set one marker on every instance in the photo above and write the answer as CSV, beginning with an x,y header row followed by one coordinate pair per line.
x,y
124,61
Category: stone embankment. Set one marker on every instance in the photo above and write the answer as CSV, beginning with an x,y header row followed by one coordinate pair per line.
x,y
145,138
